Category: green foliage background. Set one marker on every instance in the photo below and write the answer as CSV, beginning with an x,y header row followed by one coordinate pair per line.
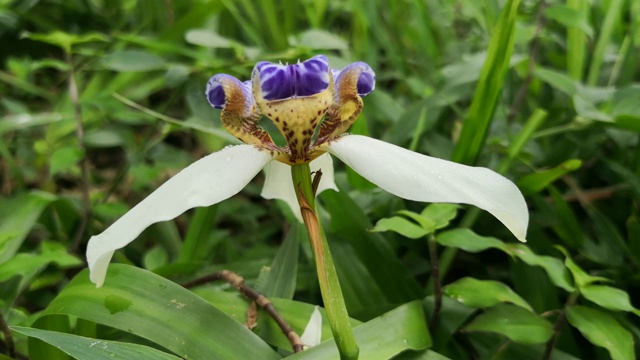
x,y
544,92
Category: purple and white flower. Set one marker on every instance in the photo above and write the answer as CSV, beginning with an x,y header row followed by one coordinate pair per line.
x,y
313,106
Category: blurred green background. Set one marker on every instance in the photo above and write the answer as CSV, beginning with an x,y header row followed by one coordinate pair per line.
x,y
101,101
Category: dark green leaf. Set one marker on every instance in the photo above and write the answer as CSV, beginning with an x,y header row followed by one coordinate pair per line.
x,y
142,303
86,348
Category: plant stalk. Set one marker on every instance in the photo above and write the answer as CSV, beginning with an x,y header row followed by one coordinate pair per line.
x,y
327,275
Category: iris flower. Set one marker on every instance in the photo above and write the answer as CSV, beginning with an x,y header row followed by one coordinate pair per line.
x,y
312,106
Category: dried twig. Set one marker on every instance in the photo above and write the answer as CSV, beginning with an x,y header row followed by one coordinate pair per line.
x,y
237,281
8,337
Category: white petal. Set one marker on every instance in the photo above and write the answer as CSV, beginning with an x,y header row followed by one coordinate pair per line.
x,y
278,184
418,177
312,334
207,181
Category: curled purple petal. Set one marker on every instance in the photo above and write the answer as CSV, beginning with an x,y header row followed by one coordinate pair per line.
x,y
279,82
366,78
221,86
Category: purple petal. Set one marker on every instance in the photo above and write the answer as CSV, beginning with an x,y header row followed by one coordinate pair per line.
x,y
221,85
366,77
279,82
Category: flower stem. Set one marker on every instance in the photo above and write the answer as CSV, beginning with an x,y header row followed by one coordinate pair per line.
x,y
327,275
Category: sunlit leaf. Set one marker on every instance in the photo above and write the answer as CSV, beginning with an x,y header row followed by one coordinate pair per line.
x,y
517,324
467,240
483,293
603,330
86,348
609,298
142,303
400,225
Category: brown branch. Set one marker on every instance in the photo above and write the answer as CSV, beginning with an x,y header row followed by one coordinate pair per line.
x,y
592,194
237,281
533,50
84,165
8,337
558,326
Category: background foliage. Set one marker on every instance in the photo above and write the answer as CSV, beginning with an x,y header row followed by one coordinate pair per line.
x,y
103,100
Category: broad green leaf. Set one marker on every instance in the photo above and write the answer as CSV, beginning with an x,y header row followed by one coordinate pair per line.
x,y
322,40
558,273
349,224
483,293
426,224
580,277
398,330
283,274
39,349
154,308
533,183
65,40
603,330
101,138
468,241
133,60
17,217
64,158
402,226
609,298
25,121
27,264
441,214
557,80
487,93
207,38
569,18
86,348
517,324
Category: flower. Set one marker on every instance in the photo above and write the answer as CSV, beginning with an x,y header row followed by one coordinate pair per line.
x,y
312,106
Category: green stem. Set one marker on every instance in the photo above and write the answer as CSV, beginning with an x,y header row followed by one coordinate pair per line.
x,y
327,275
437,285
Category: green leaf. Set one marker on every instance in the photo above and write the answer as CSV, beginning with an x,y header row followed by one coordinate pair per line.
x,y
483,293
17,217
557,80
133,60
322,40
468,241
534,183
27,264
64,158
609,298
65,40
601,329
569,18
154,308
514,322
283,274
398,330
207,38
86,348
557,272
440,214
25,121
102,138
580,277
487,93
402,226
